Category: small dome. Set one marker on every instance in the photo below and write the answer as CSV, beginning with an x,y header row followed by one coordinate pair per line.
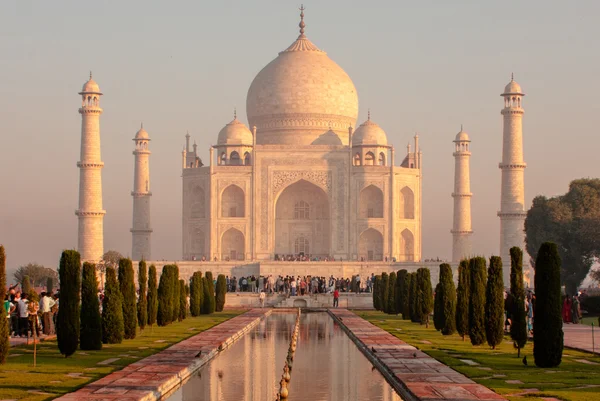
x,y
512,88
328,138
142,134
462,136
235,133
90,86
369,133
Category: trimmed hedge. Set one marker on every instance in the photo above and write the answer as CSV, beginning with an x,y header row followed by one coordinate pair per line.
x,y
67,321
399,290
90,332
166,294
438,312
424,299
182,300
385,291
494,303
477,300
412,299
142,305
209,302
518,327
448,300
196,294
221,293
127,288
176,303
377,293
4,329
113,328
462,299
152,296
391,308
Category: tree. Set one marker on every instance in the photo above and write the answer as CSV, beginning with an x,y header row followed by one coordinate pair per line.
x,y
572,221
182,300
196,293
494,303
113,328
26,286
166,295
406,296
152,296
206,298
67,321
176,304
424,299
447,300
392,294
399,290
112,259
477,301
142,305
414,314
437,308
209,293
385,291
547,325
37,273
4,329
127,288
518,327
90,332
49,284
377,292
462,299
221,293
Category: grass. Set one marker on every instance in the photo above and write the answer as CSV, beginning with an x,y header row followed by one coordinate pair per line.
x,y
18,377
589,320
571,381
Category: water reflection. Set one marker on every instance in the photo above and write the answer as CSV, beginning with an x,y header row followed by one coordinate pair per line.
x,y
327,366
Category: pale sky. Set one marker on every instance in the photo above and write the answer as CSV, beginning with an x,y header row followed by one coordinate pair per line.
x,y
420,66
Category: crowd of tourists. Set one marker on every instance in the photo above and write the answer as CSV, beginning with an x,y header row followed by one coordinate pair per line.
x,y
29,314
298,285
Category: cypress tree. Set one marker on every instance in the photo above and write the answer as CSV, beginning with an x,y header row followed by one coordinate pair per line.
x,y
206,303
462,299
142,305
518,326
152,296
211,292
113,328
221,292
424,295
127,287
437,309
49,284
547,325
494,303
176,303
182,300
399,290
67,321
477,301
392,294
406,296
385,291
448,300
195,294
90,332
4,329
166,294
26,286
414,314
376,293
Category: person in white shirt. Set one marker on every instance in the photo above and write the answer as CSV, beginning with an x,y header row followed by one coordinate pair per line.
x,y
23,315
261,297
46,304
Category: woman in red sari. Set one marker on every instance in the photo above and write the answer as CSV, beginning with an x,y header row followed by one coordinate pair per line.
x,y
566,310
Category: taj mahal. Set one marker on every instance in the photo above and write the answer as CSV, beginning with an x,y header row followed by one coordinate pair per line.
x,y
303,177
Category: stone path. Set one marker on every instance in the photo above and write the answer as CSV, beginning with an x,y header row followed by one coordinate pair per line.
x,y
579,336
154,376
417,375
14,341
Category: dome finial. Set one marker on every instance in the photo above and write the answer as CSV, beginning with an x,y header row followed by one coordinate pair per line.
x,y
235,113
302,25
142,125
369,114
90,74
461,127
512,76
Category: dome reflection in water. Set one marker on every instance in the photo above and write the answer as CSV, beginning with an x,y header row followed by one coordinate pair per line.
x,y
327,366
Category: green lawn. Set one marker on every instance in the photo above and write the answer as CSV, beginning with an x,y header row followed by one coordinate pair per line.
x,y
572,380
18,377
589,320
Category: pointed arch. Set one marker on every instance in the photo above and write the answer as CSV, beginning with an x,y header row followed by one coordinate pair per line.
x,y
234,158
233,202
407,203
371,203
381,160
369,159
370,245
357,161
232,245
407,246
247,159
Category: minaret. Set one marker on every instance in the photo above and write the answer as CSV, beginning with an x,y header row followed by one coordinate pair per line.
x,y
90,238
141,231
512,207
461,227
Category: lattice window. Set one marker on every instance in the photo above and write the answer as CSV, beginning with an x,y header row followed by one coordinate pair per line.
x,y
301,211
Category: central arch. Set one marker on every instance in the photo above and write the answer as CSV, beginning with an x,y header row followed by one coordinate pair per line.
x,y
232,245
302,221
370,245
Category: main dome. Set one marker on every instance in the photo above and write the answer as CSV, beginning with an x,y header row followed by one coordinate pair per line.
x,y
300,95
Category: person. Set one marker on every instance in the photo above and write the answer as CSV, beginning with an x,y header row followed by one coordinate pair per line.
x,y
261,298
566,309
8,307
23,316
575,310
336,298
293,286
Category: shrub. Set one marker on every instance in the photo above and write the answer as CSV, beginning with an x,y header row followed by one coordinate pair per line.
x,y
392,294
113,328
90,333
206,301
152,296
406,297
49,284
221,292
142,305
494,303
196,293
399,290
547,325
166,295
26,286
385,291
462,299
176,304
477,301
128,293
447,300
437,308
4,329
209,294
67,321
377,293
518,327
414,314
182,300
424,298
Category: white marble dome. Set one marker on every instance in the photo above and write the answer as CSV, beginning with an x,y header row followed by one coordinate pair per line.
x,y
142,134
369,134
299,95
90,86
512,88
235,133
462,136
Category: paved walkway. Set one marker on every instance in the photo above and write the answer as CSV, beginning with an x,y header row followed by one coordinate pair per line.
x,y
154,376
14,341
419,376
579,336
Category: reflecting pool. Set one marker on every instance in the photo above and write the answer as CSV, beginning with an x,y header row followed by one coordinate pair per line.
x,y
327,366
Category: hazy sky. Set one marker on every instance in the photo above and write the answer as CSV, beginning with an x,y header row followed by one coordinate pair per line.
x,y
424,66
